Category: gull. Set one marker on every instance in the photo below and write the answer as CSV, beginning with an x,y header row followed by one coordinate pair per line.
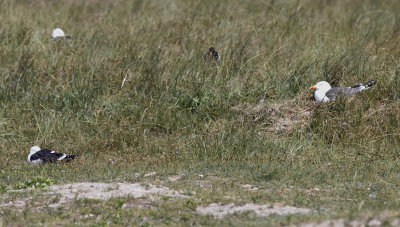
x,y
37,155
324,92
58,33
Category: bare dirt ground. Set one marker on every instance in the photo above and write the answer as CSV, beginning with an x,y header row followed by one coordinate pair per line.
x,y
221,210
384,218
58,195
352,223
145,194
105,191
63,194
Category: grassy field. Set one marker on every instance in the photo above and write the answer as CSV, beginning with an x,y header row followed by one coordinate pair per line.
x,y
131,94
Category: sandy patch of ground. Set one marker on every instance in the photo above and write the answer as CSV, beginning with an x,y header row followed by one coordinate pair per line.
x,y
105,191
175,178
384,218
19,204
58,195
221,210
249,187
150,174
353,223
140,203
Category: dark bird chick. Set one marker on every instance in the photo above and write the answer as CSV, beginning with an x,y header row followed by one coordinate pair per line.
x,y
212,54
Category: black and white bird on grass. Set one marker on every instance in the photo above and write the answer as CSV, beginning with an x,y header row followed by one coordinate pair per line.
x,y
324,92
212,54
37,155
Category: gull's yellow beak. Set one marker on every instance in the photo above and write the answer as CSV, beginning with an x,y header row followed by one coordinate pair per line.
x,y
313,87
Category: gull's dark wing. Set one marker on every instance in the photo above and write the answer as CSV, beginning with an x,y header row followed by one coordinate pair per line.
x,y
46,155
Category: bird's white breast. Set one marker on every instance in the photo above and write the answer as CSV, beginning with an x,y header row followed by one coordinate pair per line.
x,y
34,161
320,96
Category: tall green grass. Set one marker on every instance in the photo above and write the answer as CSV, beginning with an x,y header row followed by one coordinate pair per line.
x,y
130,91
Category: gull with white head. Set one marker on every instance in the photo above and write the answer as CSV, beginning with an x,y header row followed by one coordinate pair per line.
x,y
324,92
58,33
37,155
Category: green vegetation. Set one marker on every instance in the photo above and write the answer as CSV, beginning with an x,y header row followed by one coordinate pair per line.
x,y
37,182
130,94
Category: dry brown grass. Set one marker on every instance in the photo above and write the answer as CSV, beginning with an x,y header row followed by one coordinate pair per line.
x,y
276,117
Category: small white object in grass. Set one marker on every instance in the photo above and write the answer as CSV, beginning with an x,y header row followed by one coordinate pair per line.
x,y
88,216
150,174
174,178
247,186
58,33
372,195
374,222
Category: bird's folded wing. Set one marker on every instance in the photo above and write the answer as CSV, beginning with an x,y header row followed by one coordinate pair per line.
x,y
46,155
343,91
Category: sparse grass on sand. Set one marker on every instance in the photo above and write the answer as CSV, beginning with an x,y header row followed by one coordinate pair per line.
x,y
130,94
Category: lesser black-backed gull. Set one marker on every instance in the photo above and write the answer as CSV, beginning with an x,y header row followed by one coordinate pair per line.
x,y
37,155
